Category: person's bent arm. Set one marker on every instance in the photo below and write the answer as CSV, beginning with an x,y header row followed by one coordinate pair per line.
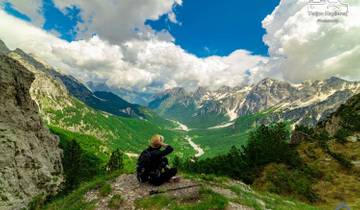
x,y
162,153
168,149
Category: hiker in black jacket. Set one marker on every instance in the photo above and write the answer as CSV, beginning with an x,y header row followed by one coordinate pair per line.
x,y
153,165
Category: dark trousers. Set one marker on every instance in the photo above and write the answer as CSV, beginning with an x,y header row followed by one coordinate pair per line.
x,y
163,177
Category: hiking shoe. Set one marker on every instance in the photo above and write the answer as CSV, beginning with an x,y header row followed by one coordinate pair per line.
x,y
175,179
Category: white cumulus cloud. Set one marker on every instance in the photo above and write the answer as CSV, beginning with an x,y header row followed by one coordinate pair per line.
x,y
145,65
118,21
302,47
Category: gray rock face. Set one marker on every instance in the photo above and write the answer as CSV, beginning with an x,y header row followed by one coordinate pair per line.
x,y
30,160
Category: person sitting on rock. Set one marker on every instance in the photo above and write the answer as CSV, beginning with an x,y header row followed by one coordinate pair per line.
x,y
152,165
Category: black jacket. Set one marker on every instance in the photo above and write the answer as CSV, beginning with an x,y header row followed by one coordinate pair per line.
x,y
158,160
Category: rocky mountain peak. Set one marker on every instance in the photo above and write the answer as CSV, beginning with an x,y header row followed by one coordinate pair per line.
x,y
224,89
177,91
335,82
200,92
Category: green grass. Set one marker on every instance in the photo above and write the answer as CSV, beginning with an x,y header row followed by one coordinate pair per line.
x,y
220,140
189,116
251,198
105,189
207,200
115,201
264,200
88,143
75,200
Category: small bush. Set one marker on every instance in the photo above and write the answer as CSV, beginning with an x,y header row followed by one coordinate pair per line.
x,y
37,202
341,135
305,129
284,181
105,189
115,201
78,165
176,161
116,161
343,161
267,144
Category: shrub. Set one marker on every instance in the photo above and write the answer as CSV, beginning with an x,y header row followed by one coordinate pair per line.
x,y
305,129
78,165
343,161
267,144
285,181
116,161
115,202
37,202
176,161
105,189
341,135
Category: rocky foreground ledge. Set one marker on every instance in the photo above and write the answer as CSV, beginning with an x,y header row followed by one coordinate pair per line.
x,y
132,191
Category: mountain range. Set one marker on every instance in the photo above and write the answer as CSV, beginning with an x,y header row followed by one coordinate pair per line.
x,y
306,103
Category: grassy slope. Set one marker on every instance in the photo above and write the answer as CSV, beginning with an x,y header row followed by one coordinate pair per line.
x,y
220,140
188,115
128,134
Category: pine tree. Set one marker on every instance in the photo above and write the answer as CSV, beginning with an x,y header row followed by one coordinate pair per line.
x,y
71,162
115,161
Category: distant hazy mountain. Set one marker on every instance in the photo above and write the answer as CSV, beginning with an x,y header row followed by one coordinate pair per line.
x,y
132,96
105,101
304,103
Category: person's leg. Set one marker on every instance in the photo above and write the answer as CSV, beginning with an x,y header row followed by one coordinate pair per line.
x,y
164,177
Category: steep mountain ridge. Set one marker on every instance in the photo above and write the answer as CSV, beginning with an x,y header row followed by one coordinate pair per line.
x,y
118,106
105,101
304,103
30,160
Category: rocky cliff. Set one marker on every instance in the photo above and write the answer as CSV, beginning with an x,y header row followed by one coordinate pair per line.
x,y
30,160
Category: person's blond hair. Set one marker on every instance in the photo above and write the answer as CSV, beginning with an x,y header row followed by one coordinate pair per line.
x,y
156,141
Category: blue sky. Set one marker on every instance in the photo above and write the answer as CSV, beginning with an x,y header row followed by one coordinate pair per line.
x,y
55,19
219,27
206,27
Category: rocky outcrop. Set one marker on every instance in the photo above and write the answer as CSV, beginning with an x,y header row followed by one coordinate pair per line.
x,y
30,160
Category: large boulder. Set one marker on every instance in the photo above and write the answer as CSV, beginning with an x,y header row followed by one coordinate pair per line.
x,y
30,159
